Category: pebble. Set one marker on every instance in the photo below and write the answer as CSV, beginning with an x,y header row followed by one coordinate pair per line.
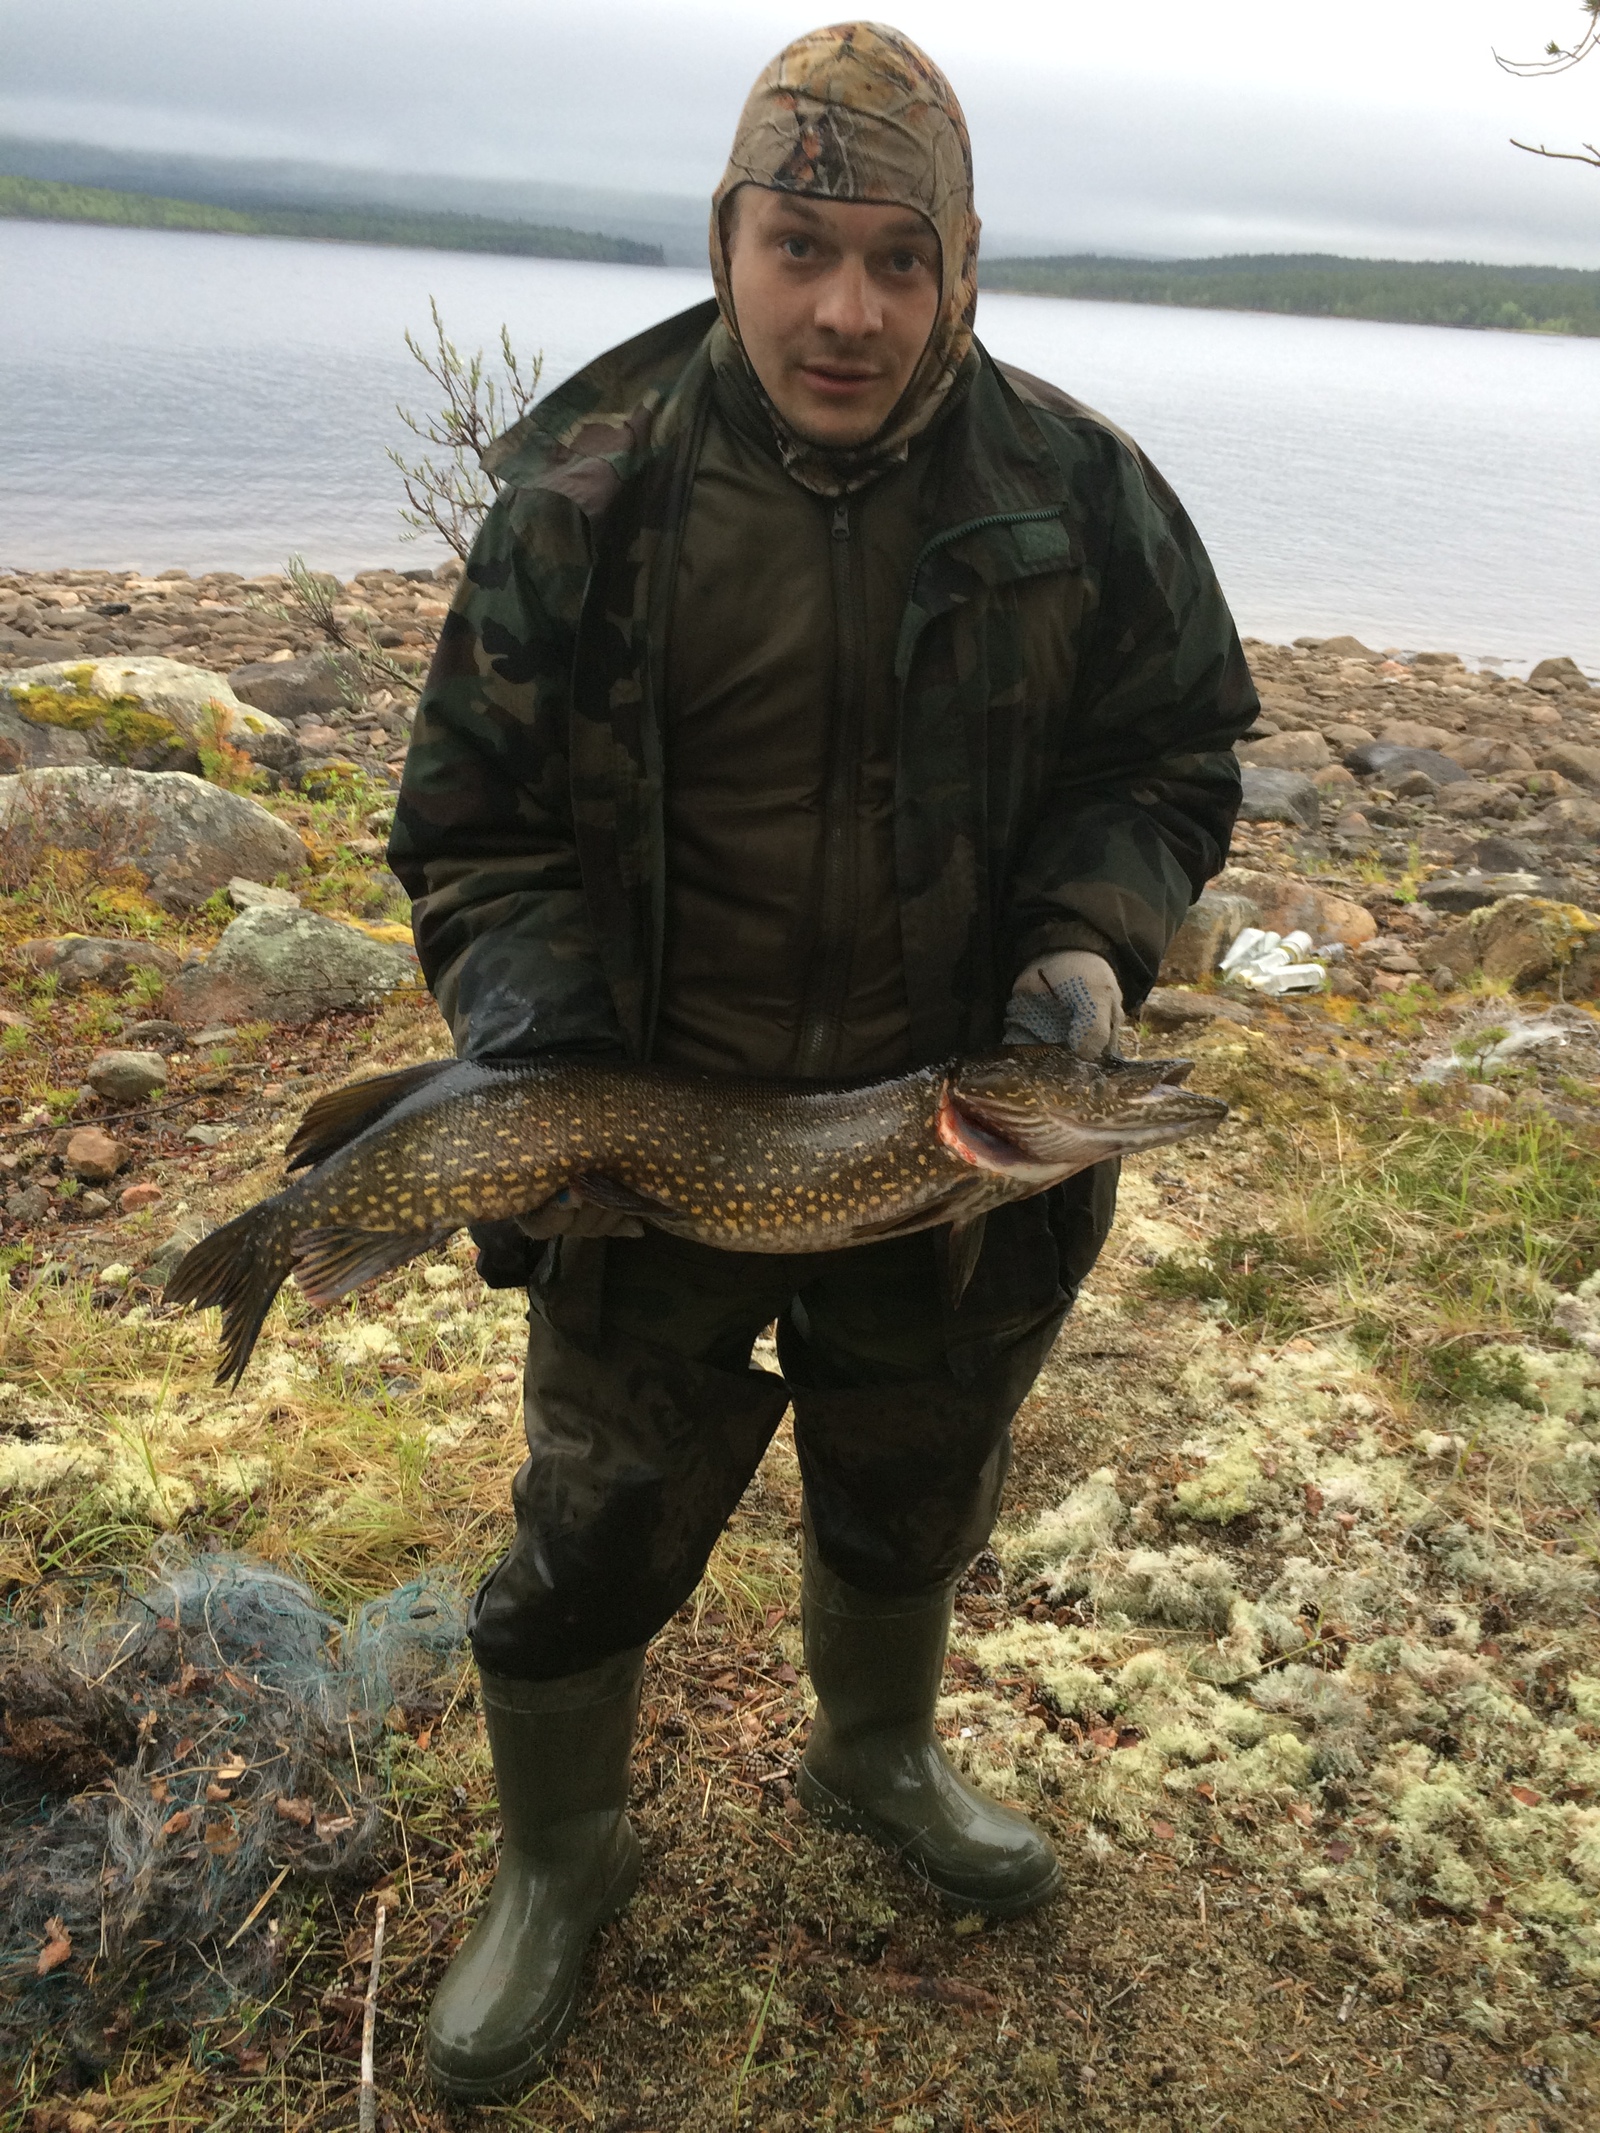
x,y
135,1198
260,896
91,1153
127,1077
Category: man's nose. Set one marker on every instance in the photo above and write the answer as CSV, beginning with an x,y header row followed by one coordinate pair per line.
x,y
848,303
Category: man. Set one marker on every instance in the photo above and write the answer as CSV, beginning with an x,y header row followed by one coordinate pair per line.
x,y
815,685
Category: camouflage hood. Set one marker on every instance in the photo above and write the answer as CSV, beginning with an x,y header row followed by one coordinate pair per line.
x,y
859,113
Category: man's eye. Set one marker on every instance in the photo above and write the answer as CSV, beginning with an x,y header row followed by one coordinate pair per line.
x,y
904,262
796,247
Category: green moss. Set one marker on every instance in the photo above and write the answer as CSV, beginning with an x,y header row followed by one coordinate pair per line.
x,y
119,726
1230,1486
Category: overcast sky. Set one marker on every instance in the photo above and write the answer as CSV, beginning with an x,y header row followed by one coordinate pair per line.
x,y
1375,126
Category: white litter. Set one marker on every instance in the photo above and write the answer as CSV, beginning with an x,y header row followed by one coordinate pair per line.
x,y
1273,962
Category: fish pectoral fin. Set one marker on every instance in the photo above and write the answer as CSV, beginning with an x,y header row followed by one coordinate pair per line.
x,y
335,1119
963,1241
329,1263
602,1191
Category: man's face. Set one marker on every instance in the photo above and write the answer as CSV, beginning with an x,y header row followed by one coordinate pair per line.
x,y
835,302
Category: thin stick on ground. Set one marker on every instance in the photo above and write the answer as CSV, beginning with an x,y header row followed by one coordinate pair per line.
x,y
368,2108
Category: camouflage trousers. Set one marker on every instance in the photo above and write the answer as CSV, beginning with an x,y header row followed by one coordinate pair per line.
x,y
645,1421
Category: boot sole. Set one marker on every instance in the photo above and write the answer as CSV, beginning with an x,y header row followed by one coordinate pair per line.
x,y
835,1813
504,2087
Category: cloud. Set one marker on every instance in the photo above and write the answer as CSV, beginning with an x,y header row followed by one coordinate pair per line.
x,y
1246,126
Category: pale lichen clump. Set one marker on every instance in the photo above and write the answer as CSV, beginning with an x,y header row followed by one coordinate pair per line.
x,y
1377,1630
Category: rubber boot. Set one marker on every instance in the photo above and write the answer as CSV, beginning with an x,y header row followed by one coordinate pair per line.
x,y
568,1862
874,1765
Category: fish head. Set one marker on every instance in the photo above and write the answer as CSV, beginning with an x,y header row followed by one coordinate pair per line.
x,y
1039,1111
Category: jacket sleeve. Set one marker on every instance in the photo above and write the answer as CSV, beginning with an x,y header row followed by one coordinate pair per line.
x,y
483,837
1137,813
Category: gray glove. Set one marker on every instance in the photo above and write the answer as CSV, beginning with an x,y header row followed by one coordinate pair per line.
x,y
1073,998
568,1215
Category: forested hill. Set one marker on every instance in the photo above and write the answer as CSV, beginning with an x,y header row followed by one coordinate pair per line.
x,y
1317,285
42,200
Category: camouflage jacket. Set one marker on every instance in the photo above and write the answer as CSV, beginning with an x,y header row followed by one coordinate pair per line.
x,y
1070,687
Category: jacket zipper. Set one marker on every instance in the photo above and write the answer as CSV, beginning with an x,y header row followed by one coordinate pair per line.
x,y
980,525
834,939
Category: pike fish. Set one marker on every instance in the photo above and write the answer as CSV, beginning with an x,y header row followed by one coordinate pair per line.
x,y
398,1162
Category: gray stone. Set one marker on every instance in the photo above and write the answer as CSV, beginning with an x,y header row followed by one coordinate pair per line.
x,y
26,745
259,896
162,1261
291,688
126,1077
1388,759
77,960
1475,891
291,966
156,1036
184,836
1575,817
1504,855
1280,796
1208,931
1169,1009
199,705
29,1203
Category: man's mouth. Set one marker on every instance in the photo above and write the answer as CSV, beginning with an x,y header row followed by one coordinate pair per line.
x,y
835,381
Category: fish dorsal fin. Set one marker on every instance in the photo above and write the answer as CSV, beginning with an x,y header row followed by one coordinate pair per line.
x,y
329,1263
335,1119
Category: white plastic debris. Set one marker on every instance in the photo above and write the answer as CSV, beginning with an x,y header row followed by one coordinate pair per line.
x,y
1273,962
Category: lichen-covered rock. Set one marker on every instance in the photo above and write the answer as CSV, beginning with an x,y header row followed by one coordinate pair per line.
x,y
76,960
147,713
1523,941
290,966
26,744
185,837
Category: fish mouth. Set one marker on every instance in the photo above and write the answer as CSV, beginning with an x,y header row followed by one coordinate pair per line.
x,y
1045,1137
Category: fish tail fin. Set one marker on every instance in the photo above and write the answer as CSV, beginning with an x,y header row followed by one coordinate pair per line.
x,y
240,1268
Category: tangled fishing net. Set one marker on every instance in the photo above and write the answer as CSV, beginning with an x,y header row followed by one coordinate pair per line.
x,y
168,1764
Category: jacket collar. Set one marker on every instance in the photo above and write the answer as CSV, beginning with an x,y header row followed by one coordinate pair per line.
x,y
596,432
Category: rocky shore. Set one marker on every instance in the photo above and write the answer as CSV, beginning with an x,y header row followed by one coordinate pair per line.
x,y
232,627
1288,1632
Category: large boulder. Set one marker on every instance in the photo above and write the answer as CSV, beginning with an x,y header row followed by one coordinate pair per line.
x,y
148,713
1280,796
1209,930
1302,750
1288,905
1389,760
1523,941
292,689
1566,672
1411,733
185,837
1571,760
290,966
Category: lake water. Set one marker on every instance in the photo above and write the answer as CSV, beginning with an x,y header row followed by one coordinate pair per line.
x,y
216,402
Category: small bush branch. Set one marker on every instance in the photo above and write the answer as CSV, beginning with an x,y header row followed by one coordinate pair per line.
x,y
449,496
